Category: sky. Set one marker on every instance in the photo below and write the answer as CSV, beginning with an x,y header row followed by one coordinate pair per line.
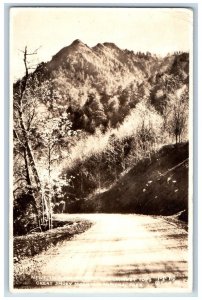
x,y
157,30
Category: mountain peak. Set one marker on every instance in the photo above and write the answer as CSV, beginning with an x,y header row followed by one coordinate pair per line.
x,y
99,45
110,45
76,42
67,50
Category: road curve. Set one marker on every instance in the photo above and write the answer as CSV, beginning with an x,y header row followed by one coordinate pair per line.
x,y
126,251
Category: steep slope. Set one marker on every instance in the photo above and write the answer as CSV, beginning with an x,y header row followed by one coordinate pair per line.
x,y
156,186
99,86
127,103
103,61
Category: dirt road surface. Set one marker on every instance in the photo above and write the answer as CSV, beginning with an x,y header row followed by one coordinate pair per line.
x,y
119,251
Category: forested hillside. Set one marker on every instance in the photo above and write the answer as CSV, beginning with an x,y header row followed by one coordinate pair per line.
x,y
85,118
155,186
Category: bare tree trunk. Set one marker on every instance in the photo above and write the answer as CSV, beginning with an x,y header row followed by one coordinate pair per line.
x,y
49,213
30,186
29,157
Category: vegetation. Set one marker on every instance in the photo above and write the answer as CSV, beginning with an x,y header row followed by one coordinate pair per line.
x,y
156,186
32,244
83,119
27,249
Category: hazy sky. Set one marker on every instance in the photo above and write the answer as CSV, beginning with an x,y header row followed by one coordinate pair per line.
x,y
156,30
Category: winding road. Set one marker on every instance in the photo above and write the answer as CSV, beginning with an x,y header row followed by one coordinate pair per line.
x,y
119,251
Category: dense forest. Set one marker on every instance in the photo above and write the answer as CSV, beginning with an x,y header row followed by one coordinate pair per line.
x,y
84,119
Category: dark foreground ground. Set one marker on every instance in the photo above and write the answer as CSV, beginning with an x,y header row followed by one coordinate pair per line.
x,y
118,252
155,186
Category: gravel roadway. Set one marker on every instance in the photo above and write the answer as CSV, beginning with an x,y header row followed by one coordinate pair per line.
x,y
119,251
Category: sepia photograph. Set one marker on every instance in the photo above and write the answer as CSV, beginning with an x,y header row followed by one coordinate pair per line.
x,y
101,122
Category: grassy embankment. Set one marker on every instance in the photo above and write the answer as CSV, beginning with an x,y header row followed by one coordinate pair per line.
x,y
28,249
156,186
32,244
